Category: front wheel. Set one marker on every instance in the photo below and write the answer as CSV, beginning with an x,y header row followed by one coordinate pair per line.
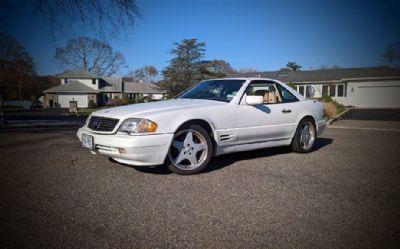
x,y
190,151
305,136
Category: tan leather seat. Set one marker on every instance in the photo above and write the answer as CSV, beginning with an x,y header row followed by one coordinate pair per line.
x,y
263,93
271,97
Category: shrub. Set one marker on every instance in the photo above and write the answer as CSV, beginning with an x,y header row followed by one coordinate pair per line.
x,y
33,98
326,99
292,85
331,107
329,110
125,99
91,104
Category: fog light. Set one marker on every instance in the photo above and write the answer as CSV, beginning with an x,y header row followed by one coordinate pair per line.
x,y
122,150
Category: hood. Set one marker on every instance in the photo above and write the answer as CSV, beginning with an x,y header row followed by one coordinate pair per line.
x,y
141,110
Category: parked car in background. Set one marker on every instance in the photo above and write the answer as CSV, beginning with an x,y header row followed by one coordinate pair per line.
x,y
36,104
212,118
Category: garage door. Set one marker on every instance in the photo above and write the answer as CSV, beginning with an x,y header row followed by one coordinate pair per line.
x,y
378,96
82,99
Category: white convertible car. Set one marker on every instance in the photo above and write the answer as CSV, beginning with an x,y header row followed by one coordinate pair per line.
x,y
212,118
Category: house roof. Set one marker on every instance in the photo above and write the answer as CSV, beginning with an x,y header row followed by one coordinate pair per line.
x,y
111,84
78,74
338,74
72,86
141,87
107,84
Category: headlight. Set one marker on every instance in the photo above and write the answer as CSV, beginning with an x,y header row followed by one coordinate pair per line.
x,y
137,125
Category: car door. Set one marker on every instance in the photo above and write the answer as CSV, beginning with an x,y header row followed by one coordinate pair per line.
x,y
273,120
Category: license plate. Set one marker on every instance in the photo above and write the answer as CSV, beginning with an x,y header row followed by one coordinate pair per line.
x,y
87,141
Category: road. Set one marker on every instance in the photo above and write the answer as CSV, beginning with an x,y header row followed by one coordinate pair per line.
x,y
345,194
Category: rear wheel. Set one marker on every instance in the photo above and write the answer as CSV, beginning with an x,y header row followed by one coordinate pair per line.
x,y
190,151
305,136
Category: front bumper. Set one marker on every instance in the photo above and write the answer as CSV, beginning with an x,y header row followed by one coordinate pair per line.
x,y
140,150
321,125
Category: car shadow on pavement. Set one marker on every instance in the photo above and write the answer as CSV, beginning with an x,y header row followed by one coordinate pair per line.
x,y
157,170
223,161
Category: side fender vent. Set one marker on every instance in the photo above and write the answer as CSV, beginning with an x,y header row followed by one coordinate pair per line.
x,y
226,137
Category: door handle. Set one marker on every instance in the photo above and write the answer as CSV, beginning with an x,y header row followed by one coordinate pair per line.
x,y
286,111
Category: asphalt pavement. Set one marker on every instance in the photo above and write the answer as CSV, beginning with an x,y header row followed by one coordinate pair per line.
x,y
345,194
373,114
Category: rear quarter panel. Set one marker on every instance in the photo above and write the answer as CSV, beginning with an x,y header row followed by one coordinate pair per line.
x,y
311,108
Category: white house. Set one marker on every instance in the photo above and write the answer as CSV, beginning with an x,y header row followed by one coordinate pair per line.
x,y
88,90
373,87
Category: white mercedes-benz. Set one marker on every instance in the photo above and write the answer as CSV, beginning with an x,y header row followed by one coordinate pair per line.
x,y
212,118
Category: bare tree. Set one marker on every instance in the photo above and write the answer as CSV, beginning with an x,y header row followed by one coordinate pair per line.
x,y
150,71
15,64
91,54
144,73
247,70
392,54
105,19
137,74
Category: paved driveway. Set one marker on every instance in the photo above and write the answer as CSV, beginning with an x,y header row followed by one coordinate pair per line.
x,y
373,114
345,194
380,119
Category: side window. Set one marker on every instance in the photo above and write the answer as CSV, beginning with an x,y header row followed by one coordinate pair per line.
x,y
265,89
286,96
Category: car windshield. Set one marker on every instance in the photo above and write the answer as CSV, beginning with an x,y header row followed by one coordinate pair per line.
x,y
219,90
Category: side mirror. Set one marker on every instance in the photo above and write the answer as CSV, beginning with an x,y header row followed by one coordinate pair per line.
x,y
254,100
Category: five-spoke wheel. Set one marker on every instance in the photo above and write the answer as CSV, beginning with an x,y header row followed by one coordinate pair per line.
x,y
304,138
191,150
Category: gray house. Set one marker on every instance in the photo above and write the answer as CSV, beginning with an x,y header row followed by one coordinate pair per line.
x,y
373,87
85,88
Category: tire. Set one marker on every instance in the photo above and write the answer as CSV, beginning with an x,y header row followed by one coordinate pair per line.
x,y
190,151
305,136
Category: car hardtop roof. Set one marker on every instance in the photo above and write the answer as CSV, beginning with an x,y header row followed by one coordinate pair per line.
x,y
245,78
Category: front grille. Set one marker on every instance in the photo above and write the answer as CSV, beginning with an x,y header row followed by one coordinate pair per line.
x,y
102,124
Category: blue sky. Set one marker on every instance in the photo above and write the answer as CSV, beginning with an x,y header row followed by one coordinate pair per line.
x,y
263,35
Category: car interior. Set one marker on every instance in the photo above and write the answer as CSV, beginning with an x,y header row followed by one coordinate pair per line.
x,y
267,91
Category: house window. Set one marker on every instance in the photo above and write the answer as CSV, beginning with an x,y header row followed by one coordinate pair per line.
x,y
301,90
325,90
307,91
93,81
310,91
340,90
65,81
332,90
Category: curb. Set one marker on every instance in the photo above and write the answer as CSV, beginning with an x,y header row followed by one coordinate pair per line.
x,y
334,119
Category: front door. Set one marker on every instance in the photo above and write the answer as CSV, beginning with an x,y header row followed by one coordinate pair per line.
x,y
273,120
